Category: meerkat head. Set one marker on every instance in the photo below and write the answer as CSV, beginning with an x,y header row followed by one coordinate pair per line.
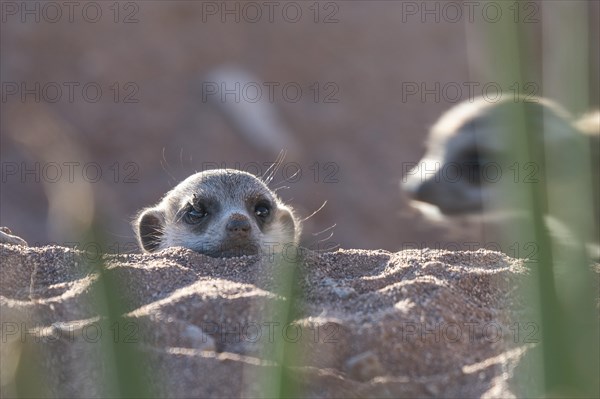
x,y
468,150
220,213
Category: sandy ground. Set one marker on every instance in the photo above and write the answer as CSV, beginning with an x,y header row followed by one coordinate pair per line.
x,y
424,323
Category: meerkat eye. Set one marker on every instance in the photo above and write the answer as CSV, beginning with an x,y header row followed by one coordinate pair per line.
x,y
194,214
472,157
472,165
262,210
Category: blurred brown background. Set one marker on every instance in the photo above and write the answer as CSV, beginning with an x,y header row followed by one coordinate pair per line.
x,y
368,50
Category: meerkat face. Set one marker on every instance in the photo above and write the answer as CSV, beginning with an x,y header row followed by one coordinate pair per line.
x,y
221,213
468,154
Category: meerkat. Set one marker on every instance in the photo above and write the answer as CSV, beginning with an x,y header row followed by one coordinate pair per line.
x,y
463,141
220,213
469,146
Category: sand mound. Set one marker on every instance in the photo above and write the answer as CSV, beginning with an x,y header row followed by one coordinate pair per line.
x,y
368,324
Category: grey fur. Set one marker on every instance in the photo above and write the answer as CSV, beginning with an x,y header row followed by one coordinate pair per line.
x,y
476,133
230,227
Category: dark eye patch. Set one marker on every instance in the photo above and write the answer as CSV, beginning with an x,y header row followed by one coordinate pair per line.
x,y
197,210
261,207
471,166
194,216
471,156
262,211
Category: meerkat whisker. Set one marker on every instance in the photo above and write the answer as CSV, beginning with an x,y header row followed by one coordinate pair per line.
x,y
166,165
272,170
327,229
315,212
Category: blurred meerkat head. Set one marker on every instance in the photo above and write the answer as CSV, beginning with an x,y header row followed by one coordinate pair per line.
x,y
220,213
469,149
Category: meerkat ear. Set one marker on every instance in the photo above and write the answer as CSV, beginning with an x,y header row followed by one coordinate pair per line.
x,y
288,221
149,229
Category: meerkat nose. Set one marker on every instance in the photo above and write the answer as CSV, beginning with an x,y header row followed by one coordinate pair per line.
x,y
238,225
422,191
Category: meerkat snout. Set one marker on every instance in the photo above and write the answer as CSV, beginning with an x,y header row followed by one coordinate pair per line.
x,y
220,213
238,226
